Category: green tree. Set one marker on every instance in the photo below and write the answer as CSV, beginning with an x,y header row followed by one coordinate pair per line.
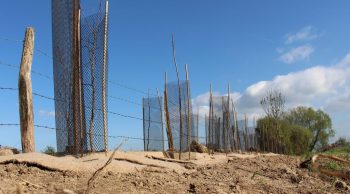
x,y
316,121
273,103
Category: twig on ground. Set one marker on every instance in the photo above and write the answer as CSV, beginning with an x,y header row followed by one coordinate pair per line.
x,y
32,184
169,160
138,162
98,171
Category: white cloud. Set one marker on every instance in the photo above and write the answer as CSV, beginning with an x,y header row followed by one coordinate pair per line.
x,y
322,87
306,33
297,54
45,113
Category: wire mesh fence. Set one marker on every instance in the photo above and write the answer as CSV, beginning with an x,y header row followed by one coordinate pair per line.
x,y
153,124
180,117
80,74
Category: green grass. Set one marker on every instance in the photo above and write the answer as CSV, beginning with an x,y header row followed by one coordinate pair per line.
x,y
332,165
343,152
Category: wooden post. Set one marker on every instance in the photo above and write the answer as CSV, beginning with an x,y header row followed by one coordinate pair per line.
x,y
228,121
25,93
179,88
144,124
167,116
104,106
210,121
188,115
161,117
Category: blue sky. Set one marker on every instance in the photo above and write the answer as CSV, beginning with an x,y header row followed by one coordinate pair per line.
x,y
300,47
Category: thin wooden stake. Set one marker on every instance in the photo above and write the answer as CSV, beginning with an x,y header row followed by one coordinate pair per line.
x,y
25,93
104,106
179,88
161,117
188,115
167,116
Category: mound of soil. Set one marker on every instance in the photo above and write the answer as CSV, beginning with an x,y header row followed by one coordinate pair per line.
x,y
235,173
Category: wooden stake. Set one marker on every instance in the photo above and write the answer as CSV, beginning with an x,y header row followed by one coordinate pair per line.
x,y
179,88
210,128
188,114
161,117
104,72
167,116
25,93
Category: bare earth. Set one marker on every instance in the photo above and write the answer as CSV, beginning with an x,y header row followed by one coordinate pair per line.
x,y
132,172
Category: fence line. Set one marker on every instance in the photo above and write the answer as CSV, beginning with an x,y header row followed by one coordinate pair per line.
x,y
111,136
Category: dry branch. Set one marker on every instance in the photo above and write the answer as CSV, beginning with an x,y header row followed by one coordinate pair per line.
x,y
169,160
336,173
98,171
138,162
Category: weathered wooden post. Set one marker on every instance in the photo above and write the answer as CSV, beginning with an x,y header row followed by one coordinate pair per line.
x,y
25,93
189,116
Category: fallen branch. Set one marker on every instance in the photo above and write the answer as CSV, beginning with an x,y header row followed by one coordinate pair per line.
x,y
336,173
32,184
138,162
90,160
98,171
168,160
255,173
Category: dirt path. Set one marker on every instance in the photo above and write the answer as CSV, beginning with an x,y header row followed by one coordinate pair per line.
x,y
132,172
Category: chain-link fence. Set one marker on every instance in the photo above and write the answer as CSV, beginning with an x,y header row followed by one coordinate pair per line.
x,y
80,74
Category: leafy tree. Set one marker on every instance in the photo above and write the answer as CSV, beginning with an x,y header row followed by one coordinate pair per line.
x,y
273,104
316,121
287,138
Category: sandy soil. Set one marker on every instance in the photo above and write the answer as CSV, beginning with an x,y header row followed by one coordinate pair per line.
x,y
132,172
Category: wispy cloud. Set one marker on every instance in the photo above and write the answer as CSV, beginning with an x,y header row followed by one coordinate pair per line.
x,y
305,34
297,54
45,113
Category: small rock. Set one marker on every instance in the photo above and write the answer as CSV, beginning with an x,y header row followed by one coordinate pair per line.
x,y
340,185
296,178
192,188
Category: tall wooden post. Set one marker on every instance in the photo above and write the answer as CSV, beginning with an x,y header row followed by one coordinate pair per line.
x,y
104,72
167,116
188,115
210,121
25,93
228,116
179,89
161,118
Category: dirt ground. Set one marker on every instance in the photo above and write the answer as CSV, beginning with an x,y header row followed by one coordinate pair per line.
x,y
133,172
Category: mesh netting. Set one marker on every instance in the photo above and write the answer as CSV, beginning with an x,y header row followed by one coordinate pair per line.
x,y
80,74
152,124
92,75
184,133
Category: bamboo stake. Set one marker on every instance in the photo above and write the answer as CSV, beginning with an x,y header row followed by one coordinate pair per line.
x,y
149,120
25,93
228,119
188,115
167,116
144,124
80,89
105,130
75,73
161,117
178,84
210,120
